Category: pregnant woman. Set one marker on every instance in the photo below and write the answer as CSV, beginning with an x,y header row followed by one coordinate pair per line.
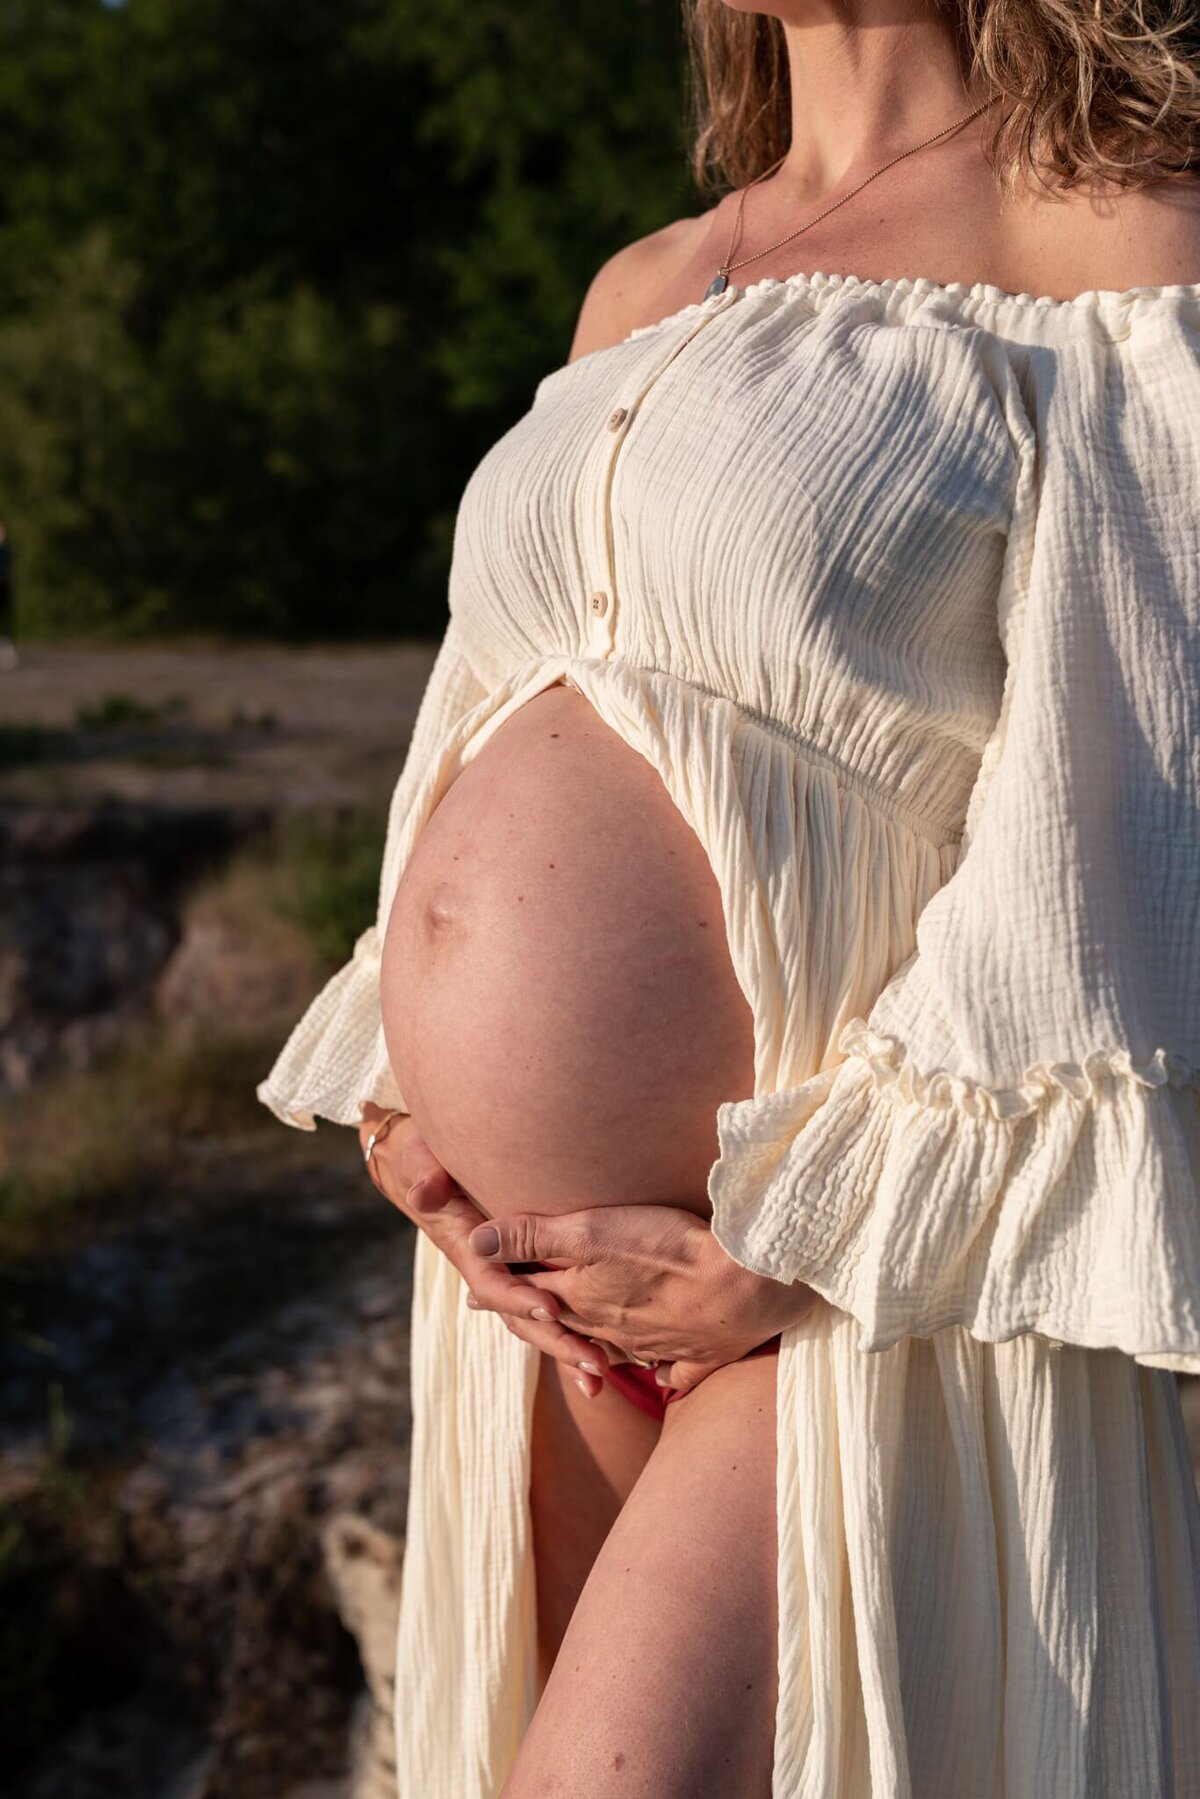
x,y
782,1016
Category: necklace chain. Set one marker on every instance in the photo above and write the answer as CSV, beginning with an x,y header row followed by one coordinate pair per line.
x,y
721,278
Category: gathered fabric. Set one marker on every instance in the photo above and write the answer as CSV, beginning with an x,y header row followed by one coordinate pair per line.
x,y
896,586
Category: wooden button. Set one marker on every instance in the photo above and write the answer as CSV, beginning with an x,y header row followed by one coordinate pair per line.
x,y
617,417
599,604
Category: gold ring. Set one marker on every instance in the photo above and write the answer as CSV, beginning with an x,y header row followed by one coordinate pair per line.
x,y
379,1133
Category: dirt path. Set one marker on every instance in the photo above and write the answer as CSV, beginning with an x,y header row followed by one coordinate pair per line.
x,y
216,726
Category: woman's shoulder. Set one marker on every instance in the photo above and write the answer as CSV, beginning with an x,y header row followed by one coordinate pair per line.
x,y
635,286
1108,239
1060,244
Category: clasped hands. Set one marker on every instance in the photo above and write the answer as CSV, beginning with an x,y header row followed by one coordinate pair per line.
x,y
651,1282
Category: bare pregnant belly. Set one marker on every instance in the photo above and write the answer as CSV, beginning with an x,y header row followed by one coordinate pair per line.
x,y
559,1004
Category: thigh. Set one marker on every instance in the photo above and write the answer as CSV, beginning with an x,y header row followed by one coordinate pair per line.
x,y
666,1681
586,1456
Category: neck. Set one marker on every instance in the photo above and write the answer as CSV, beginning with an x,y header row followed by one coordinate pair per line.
x,y
869,78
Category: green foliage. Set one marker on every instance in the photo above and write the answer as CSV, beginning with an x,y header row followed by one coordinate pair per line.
x,y
119,711
332,869
272,277
71,393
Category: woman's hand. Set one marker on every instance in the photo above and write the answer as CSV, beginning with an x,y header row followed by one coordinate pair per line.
x,y
407,1173
650,1279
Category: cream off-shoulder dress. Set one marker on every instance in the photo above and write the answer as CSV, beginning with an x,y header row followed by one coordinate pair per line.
x,y
897,585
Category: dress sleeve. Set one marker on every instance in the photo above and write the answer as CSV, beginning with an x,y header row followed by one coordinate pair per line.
x,y
335,1056
1011,1138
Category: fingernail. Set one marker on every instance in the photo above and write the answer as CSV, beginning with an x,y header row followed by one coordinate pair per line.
x,y
591,1368
472,1302
485,1241
661,1379
542,1313
584,1388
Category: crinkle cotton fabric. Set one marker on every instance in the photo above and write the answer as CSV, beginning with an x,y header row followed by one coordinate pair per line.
x,y
897,585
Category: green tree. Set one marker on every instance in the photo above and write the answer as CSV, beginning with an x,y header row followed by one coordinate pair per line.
x,y
272,277
72,393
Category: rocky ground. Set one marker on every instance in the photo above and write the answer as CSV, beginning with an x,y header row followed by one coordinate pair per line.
x,y
203,1453
220,1476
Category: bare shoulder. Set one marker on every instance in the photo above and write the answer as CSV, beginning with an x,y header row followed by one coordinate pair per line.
x,y
1162,226
1147,237
626,290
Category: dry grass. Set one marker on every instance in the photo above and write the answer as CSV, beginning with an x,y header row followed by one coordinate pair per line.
x,y
86,1147
258,940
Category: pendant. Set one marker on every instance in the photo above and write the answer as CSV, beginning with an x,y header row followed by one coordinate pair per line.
x,y
717,285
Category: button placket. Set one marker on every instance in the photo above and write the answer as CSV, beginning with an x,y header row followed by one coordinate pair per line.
x,y
599,573
603,594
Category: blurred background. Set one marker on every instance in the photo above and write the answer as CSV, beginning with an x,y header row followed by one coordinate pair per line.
x,y
273,275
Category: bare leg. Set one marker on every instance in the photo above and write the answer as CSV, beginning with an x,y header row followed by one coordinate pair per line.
x,y
587,1454
665,1683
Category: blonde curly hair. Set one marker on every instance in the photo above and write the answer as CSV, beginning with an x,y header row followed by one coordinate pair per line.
x,y
1091,90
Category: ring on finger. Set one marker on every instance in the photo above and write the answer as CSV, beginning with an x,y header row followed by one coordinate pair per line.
x,y
652,1363
378,1134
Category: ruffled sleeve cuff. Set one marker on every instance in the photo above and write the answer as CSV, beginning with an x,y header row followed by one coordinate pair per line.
x,y
335,1056
1068,1206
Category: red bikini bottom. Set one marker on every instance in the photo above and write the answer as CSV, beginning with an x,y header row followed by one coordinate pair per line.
x,y
640,1388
